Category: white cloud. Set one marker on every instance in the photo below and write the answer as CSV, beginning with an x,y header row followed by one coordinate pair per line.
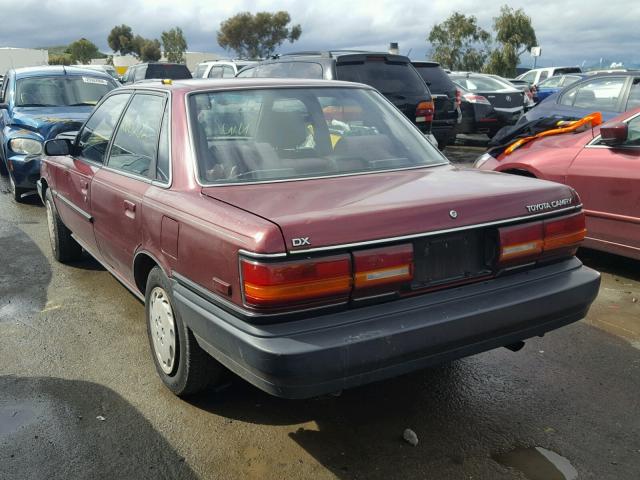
x,y
569,31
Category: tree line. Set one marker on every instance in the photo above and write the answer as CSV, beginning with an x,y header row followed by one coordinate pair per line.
x,y
458,43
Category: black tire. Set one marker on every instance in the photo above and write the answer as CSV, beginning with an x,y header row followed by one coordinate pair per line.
x,y
16,192
192,369
65,248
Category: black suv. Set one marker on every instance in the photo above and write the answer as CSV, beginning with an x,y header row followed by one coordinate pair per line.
x,y
156,71
392,75
446,98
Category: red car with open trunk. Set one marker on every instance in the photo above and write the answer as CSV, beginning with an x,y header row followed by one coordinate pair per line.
x,y
305,235
603,165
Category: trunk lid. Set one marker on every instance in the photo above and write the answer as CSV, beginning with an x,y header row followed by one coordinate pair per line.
x,y
347,210
510,100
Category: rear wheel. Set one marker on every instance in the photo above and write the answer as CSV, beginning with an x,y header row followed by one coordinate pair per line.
x,y
65,248
182,365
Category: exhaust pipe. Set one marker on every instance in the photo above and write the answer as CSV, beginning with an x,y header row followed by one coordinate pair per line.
x,y
514,347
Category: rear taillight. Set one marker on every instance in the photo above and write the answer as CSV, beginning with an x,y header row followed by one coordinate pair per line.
x,y
384,268
471,98
295,283
537,240
458,97
424,112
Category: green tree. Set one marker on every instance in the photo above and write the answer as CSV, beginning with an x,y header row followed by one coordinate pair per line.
x,y
174,45
63,59
459,43
150,51
120,39
257,36
515,35
82,51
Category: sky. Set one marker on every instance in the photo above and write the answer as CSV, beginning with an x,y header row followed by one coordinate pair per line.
x,y
570,32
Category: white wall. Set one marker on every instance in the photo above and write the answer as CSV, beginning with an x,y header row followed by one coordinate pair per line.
x,y
21,57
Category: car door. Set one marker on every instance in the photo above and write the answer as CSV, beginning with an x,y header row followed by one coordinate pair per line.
x,y
118,188
608,182
73,174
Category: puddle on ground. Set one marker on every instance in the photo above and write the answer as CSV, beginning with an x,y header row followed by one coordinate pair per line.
x,y
538,463
14,417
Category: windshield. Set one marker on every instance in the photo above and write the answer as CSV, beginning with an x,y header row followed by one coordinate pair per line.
x,y
482,84
282,134
390,78
59,91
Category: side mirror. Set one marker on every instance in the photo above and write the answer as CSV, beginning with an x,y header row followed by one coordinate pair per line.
x,y
4,106
614,134
57,147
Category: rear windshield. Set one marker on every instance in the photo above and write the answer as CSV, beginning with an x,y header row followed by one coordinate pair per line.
x,y
163,70
559,71
436,78
200,69
387,77
295,133
58,91
289,70
482,84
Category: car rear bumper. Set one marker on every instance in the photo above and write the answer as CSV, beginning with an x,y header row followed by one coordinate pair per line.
x,y
326,353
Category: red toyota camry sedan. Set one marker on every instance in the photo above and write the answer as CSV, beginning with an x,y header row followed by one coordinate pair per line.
x,y
603,165
306,236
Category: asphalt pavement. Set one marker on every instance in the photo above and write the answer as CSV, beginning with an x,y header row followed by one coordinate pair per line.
x,y
80,399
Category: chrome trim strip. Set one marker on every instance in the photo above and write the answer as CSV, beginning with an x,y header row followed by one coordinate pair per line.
x,y
247,253
509,110
437,232
73,206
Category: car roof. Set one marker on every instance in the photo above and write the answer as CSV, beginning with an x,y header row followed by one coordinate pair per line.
x,y
57,70
196,84
339,54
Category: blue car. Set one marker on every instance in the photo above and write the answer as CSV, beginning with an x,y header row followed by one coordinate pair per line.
x,y
608,93
37,104
555,84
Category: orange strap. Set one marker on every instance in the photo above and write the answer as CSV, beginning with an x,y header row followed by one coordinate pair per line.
x,y
592,120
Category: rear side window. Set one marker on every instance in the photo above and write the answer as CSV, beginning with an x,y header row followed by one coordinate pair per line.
x,y
599,93
388,77
136,142
634,95
290,70
560,71
529,77
96,134
436,78
167,70
215,72
543,74
200,69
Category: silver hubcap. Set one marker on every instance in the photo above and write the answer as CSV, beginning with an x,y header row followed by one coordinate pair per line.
x,y
50,220
163,333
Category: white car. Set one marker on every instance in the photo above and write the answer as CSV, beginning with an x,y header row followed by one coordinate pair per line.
x,y
537,75
221,68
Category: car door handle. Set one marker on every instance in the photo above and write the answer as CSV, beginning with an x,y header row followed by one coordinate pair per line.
x,y
129,209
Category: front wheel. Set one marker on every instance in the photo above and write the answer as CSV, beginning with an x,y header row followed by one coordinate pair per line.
x,y
182,365
64,247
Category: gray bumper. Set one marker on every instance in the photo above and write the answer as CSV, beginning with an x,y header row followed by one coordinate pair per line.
x,y
325,353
